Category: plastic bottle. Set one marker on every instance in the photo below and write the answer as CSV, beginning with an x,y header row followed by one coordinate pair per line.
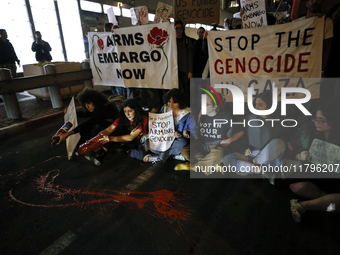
x,y
64,129
91,145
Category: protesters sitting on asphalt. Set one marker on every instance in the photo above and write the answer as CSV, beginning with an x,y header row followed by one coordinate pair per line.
x,y
99,113
175,101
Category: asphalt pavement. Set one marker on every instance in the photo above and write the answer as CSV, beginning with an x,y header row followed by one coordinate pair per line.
x,y
52,205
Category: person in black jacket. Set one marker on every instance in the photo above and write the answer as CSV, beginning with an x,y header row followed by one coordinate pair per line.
x,y
185,54
100,113
7,54
41,48
200,53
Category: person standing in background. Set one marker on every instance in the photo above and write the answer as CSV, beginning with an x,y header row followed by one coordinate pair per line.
x,y
200,53
7,54
41,48
185,52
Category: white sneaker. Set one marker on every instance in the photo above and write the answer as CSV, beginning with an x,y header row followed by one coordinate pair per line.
x,y
180,157
152,158
94,160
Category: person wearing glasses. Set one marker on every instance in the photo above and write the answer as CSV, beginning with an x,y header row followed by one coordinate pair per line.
x,y
321,127
322,194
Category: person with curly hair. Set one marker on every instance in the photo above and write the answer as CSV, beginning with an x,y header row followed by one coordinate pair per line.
x,y
97,110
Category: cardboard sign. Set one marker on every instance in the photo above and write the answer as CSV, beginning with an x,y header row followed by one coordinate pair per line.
x,y
71,116
197,11
163,12
325,154
111,16
139,15
161,131
277,53
136,56
254,13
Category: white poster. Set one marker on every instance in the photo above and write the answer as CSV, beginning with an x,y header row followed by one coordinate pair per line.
x,y
286,55
139,15
111,16
161,130
326,155
254,13
71,116
139,56
163,12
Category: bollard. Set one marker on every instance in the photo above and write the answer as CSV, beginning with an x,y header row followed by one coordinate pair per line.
x,y
87,83
10,100
55,95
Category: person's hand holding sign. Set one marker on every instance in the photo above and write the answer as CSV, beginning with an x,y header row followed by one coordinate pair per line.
x,y
186,133
176,134
302,156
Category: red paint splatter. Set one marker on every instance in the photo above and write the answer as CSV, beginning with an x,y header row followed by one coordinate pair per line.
x,y
26,170
165,202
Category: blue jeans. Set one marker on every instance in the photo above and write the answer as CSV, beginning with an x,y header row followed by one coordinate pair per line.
x,y
126,92
272,154
175,148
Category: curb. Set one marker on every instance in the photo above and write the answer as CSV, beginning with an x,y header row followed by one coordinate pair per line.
x,y
27,125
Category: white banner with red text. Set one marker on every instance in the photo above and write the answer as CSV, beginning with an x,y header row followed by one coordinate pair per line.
x,y
272,54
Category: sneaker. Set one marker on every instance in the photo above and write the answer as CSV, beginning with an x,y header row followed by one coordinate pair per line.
x,y
183,166
97,157
94,160
154,158
180,157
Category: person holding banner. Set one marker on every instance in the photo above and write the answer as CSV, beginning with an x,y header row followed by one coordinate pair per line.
x,y
129,131
263,145
175,100
314,10
97,110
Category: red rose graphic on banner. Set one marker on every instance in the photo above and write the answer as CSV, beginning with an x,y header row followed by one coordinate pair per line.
x,y
159,37
100,44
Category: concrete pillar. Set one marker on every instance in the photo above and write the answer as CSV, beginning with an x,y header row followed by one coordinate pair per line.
x,y
10,100
87,83
55,95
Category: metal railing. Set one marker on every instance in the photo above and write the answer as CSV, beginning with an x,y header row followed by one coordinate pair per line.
x,y
54,81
